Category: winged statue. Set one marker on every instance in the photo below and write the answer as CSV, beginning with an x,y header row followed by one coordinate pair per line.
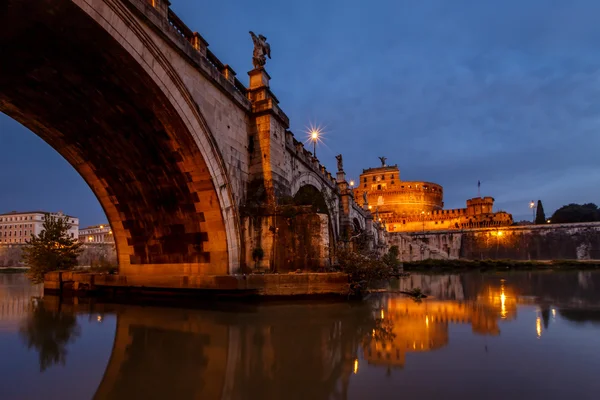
x,y
261,49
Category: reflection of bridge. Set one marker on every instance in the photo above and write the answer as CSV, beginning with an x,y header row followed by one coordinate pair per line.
x,y
176,353
170,141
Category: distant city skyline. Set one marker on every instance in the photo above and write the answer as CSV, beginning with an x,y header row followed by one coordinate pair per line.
x,y
453,93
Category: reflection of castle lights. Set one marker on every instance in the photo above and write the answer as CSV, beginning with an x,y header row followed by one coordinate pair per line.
x,y
356,365
427,321
99,318
538,326
503,305
554,313
382,315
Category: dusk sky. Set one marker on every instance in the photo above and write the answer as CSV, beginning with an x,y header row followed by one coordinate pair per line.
x,y
506,92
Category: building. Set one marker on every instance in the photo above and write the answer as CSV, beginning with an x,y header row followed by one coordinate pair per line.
x,y
409,206
17,227
98,234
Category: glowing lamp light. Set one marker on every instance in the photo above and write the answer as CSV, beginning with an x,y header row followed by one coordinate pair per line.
x,y
314,134
500,233
532,204
90,238
548,221
351,183
355,366
101,226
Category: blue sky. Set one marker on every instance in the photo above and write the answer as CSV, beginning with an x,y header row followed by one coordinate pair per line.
x,y
506,92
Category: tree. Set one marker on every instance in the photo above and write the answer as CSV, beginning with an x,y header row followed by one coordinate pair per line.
x,y
576,213
52,249
391,258
540,217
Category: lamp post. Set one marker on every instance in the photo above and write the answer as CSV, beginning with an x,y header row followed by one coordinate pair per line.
x,y
532,206
314,136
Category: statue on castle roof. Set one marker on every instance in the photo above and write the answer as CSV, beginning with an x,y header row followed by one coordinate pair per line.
x,y
382,159
261,49
340,162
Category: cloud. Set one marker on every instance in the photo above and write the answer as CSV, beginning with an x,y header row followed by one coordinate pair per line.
x,y
453,91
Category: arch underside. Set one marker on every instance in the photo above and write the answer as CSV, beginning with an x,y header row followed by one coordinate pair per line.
x,y
68,80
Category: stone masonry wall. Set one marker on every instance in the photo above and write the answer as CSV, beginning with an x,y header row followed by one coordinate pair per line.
x,y
533,242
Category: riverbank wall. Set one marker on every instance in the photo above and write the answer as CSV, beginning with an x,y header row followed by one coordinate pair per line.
x,y
579,241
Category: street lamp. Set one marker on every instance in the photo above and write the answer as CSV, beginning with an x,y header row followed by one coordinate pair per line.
x,y
314,136
351,183
532,206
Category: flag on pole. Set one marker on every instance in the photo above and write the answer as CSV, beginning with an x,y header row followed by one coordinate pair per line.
x,y
478,184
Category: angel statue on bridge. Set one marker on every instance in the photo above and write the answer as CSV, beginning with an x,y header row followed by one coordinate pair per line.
x,y
383,159
340,162
261,48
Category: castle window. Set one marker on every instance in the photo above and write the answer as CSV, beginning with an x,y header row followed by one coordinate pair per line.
x,y
402,186
373,179
365,184
365,180
392,176
378,187
383,177
392,182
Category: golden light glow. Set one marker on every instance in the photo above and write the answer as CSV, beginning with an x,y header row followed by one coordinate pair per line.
x,y
538,326
554,312
500,233
382,315
532,204
110,232
502,300
548,221
427,321
351,183
101,226
315,133
90,238
370,207
99,318
356,365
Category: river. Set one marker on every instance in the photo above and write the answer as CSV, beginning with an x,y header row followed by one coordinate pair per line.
x,y
526,335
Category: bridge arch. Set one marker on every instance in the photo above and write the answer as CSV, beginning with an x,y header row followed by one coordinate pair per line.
x,y
111,104
310,178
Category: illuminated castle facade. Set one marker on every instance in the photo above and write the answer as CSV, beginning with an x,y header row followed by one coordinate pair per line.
x,y
410,206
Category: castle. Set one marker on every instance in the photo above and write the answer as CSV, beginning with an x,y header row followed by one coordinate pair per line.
x,y
411,206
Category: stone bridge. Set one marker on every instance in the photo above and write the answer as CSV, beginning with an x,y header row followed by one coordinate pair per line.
x,y
182,156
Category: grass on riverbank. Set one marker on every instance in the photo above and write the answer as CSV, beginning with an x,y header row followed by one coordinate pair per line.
x,y
497,265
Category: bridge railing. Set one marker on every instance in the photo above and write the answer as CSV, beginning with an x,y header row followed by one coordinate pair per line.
x,y
198,42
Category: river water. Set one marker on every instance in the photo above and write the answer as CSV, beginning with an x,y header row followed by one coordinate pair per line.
x,y
533,335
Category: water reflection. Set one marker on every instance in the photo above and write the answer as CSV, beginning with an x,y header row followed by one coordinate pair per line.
x,y
49,331
329,351
292,352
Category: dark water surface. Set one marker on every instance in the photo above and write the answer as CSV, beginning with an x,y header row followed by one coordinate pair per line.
x,y
478,336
